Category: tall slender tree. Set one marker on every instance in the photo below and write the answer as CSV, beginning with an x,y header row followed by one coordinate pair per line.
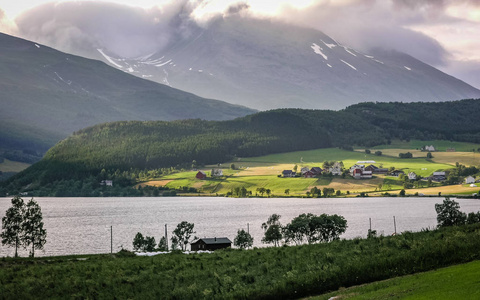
x,y
33,232
12,224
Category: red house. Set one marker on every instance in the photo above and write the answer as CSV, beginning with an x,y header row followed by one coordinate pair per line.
x,y
201,175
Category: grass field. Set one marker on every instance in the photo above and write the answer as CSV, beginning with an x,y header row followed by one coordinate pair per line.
x,y
13,166
456,282
265,273
258,172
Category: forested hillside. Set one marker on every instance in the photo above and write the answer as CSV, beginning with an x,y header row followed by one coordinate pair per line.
x,y
130,145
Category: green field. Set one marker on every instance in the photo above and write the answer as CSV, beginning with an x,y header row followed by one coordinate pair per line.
x,y
264,273
13,166
456,282
440,145
262,172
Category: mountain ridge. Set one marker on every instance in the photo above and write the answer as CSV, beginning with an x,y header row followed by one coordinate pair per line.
x,y
267,65
57,93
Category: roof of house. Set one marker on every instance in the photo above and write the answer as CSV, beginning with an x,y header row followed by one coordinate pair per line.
x,y
287,172
201,172
372,167
316,169
438,173
213,241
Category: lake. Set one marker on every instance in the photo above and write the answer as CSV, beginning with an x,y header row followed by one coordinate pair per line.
x,y
82,225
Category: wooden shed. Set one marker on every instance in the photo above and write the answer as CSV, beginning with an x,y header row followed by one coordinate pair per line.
x,y
211,244
201,175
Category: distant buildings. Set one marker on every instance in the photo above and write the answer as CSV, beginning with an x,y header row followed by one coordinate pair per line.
x,y
288,173
469,179
430,148
106,182
217,172
412,176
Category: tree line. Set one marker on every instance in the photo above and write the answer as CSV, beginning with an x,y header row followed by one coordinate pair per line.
x,y
153,145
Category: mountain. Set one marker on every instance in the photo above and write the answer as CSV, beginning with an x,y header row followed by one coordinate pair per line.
x,y
265,64
133,145
45,95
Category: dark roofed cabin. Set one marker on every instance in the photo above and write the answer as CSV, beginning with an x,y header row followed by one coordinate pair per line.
x,y
201,175
211,244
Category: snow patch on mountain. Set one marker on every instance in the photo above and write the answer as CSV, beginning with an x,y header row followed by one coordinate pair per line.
x,y
407,68
348,64
350,52
329,45
110,60
317,49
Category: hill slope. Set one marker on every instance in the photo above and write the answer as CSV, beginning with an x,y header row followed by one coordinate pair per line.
x,y
266,64
149,145
46,95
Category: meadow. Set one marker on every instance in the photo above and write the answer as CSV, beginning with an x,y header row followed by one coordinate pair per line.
x,y
267,273
455,282
264,171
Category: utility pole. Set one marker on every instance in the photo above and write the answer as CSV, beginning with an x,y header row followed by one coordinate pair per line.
x,y
111,239
248,228
395,225
166,238
370,220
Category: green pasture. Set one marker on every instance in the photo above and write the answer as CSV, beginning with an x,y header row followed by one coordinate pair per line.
x,y
456,282
440,145
12,166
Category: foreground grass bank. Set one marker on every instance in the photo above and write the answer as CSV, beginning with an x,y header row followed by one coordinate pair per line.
x,y
268,273
455,282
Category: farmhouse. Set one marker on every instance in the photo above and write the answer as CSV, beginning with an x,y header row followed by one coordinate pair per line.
x,y
304,170
469,179
361,174
336,169
211,244
217,172
106,182
316,170
412,176
396,173
288,173
201,175
309,174
430,148
438,176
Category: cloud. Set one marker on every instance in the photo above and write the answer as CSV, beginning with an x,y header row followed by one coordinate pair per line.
x,y
6,25
421,28
78,26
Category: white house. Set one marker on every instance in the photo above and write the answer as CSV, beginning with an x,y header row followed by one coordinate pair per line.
x,y
304,170
430,148
412,176
469,180
217,172
106,182
336,169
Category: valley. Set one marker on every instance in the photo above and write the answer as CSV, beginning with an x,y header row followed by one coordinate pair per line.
x,y
265,171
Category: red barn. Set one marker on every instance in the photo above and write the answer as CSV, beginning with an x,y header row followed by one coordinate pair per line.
x,y
201,175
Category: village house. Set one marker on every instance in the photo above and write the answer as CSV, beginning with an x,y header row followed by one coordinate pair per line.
x,y
439,176
355,167
430,148
309,174
336,169
316,170
376,170
201,175
217,172
211,244
361,174
451,150
304,170
106,182
396,173
412,176
469,179
288,173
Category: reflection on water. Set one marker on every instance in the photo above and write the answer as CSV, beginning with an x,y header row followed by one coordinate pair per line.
x,y
82,225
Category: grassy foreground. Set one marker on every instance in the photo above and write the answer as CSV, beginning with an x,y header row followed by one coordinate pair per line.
x,y
456,282
268,273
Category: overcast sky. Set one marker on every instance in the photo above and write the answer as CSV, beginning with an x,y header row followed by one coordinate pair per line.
x,y
443,33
